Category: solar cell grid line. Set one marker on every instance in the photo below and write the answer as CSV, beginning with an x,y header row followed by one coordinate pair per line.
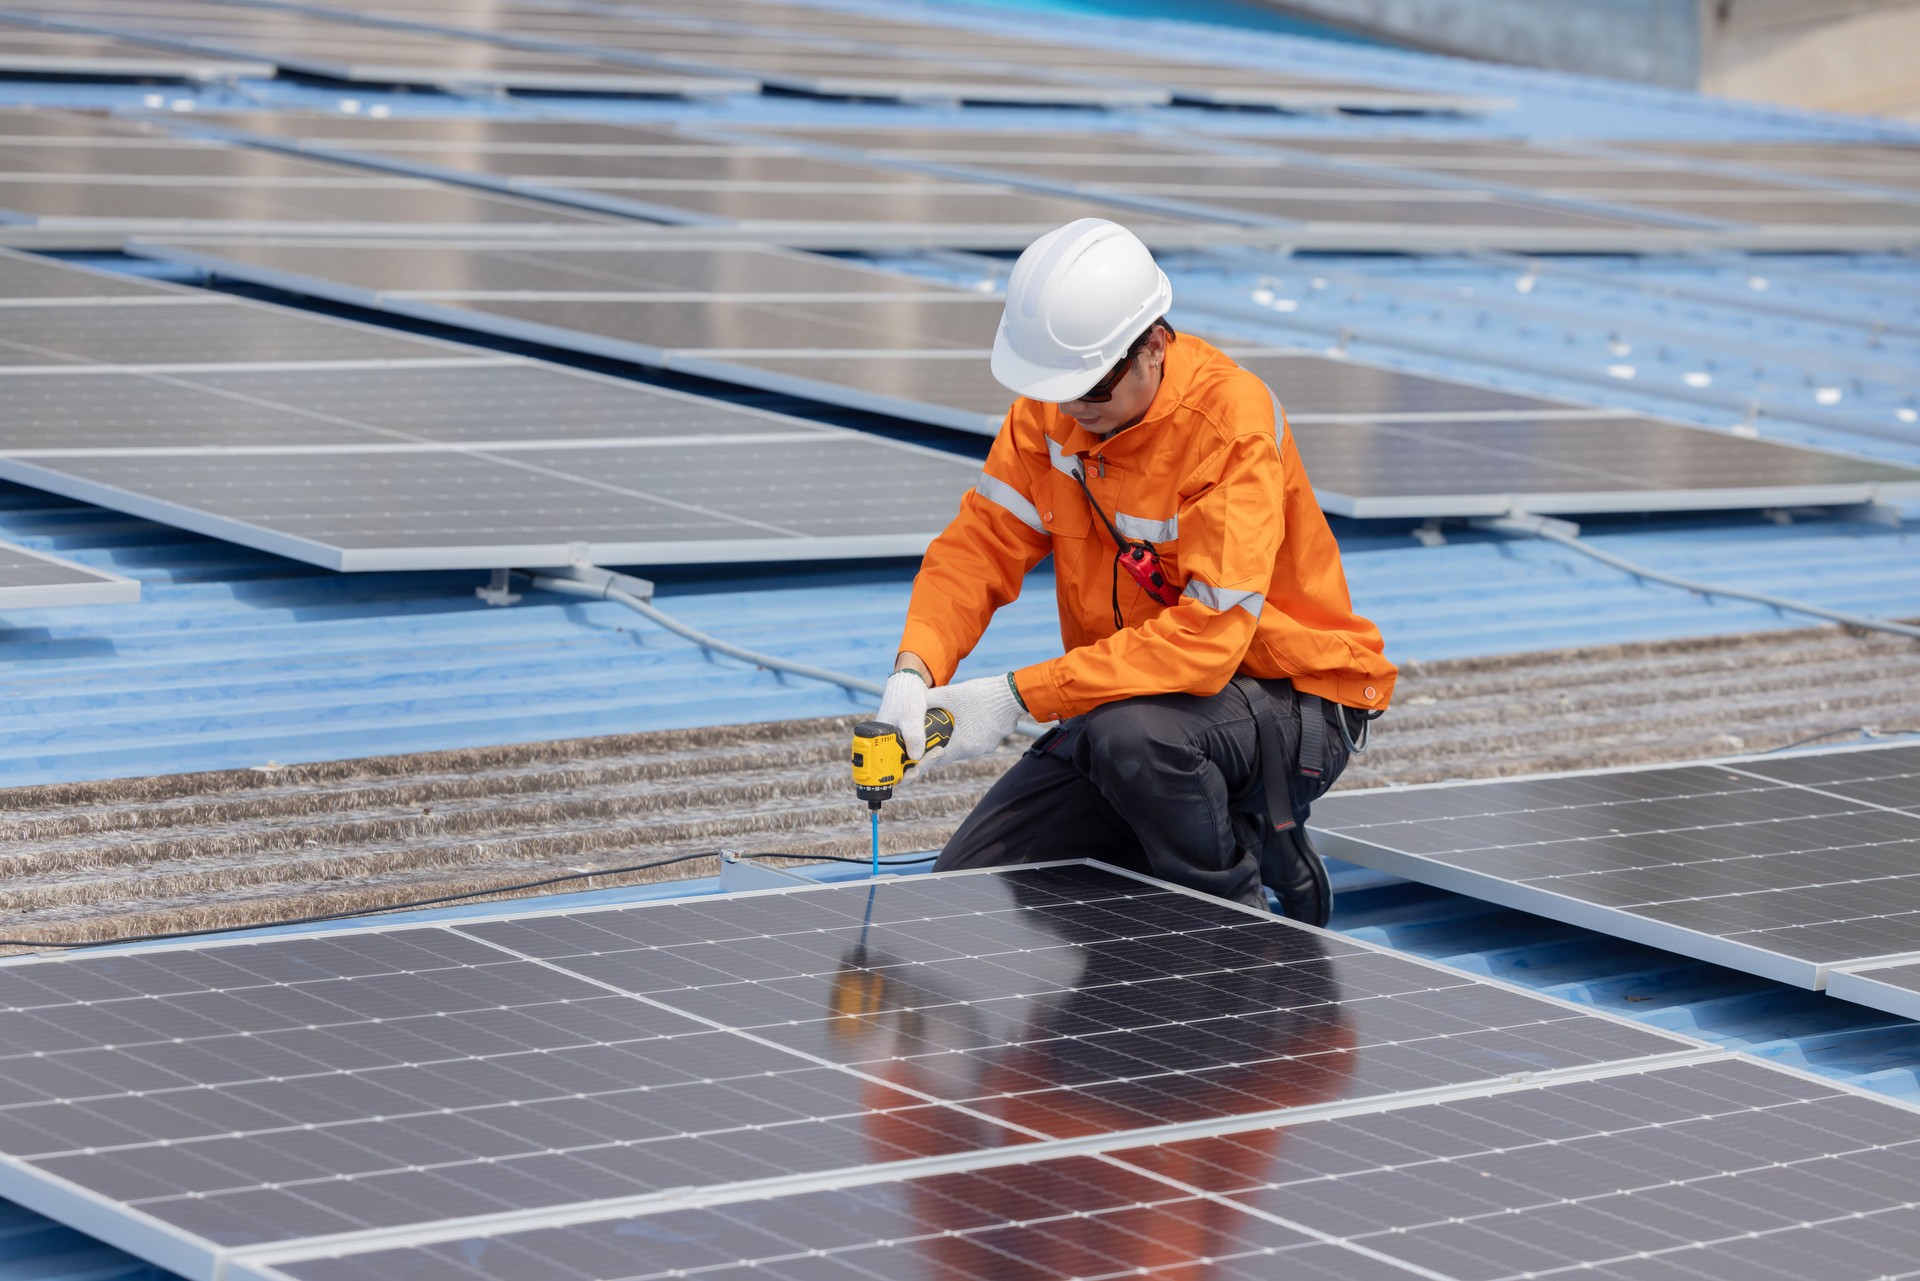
x,y
1886,776
33,580
300,1090
1717,861
1707,1168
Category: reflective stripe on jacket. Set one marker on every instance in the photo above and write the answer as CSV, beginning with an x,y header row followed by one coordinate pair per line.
x,y
1231,512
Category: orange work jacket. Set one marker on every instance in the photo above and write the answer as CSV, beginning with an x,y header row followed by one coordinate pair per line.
x,y
1223,497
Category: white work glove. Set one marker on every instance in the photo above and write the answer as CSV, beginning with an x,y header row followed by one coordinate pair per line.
x,y
984,712
903,705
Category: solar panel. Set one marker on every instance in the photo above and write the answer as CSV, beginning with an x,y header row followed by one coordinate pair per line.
x,y
316,44
23,276
988,144
370,269
290,1096
645,330
353,206
31,580
25,51
1727,1169
1733,863
1377,442
1869,164
186,328
1428,209
446,133
1572,466
152,159
1196,177
29,122
1800,211
1893,988
464,463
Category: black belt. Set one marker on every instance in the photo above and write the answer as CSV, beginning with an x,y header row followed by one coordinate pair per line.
x,y
1274,756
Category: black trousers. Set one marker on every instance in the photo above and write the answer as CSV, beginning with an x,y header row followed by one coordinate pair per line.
x,y
1169,785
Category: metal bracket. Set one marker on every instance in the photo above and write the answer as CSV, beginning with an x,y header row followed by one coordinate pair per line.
x,y
1430,534
738,874
602,580
498,590
1872,512
1526,525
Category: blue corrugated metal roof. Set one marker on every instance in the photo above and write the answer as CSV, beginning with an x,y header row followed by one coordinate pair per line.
x,y
236,658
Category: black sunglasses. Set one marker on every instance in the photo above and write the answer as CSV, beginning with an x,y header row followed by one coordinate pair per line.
x,y
1101,392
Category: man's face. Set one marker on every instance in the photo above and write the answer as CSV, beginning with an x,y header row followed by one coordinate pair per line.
x,y
1131,396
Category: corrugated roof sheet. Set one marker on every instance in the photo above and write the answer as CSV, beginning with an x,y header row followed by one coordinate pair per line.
x,y
236,658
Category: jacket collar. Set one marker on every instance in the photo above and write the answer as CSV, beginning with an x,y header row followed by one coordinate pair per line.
x,y
1175,380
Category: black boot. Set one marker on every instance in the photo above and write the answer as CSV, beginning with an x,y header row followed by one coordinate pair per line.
x,y
1292,869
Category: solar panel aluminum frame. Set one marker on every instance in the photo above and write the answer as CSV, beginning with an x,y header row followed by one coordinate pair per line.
x,y
85,585
196,1258
1606,502
1613,922
1864,985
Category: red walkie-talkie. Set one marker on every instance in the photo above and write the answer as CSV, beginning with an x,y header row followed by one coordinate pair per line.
x,y
1136,555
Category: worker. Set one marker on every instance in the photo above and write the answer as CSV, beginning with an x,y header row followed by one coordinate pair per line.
x,y
1215,677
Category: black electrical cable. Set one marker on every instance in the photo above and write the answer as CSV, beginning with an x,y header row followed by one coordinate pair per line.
x,y
896,861
355,913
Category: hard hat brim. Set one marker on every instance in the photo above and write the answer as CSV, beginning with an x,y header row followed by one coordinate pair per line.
x,y
1038,382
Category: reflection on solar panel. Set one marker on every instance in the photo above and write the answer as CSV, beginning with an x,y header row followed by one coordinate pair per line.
x,y
26,51
550,1069
343,49
1499,1186
30,580
1783,867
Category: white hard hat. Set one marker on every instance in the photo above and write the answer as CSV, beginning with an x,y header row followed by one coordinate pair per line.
x,y
1076,300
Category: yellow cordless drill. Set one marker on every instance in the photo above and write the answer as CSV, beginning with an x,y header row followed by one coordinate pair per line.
x,y
880,762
